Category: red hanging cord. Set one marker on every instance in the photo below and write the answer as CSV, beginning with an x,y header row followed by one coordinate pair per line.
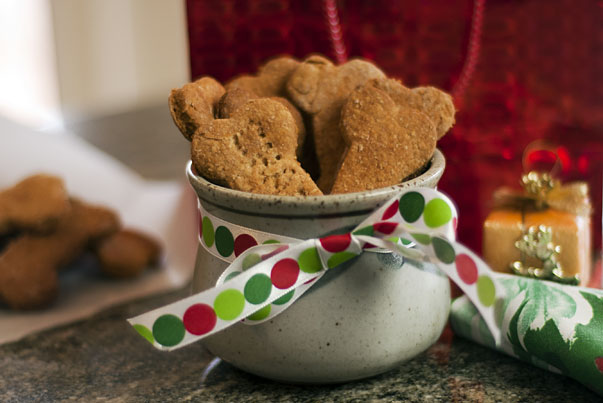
x,y
335,33
473,48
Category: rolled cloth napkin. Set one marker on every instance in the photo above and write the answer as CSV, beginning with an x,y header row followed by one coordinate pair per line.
x,y
552,326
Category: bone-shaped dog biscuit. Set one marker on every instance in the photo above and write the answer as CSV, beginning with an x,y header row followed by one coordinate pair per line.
x,y
233,99
194,104
433,102
270,80
35,203
29,264
320,88
126,253
386,141
253,151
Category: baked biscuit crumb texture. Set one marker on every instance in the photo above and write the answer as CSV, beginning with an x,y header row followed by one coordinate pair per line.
x,y
320,88
270,80
386,141
235,97
127,253
36,203
29,264
434,103
232,100
194,104
254,151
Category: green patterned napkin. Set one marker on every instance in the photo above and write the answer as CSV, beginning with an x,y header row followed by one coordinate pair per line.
x,y
555,327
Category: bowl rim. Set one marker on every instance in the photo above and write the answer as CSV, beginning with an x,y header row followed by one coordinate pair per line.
x,y
309,205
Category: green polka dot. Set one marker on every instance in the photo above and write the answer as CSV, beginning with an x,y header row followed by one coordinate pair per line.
x,y
145,332
224,241
168,330
208,232
411,206
309,261
393,239
268,242
437,213
485,290
229,304
257,289
232,275
422,238
405,241
368,230
284,299
443,250
339,257
261,314
251,260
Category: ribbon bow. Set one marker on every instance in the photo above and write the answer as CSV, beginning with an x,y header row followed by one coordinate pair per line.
x,y
418,224
541,191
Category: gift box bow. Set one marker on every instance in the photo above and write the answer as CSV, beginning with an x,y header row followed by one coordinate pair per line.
x,y
418,223
541,191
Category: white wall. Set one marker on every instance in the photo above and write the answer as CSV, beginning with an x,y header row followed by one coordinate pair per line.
x,y
29,91
89,58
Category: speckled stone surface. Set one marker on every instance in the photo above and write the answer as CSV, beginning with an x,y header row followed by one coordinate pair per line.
x,y
103,359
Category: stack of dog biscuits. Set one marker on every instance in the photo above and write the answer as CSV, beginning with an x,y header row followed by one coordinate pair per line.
x,y
43,229
310,128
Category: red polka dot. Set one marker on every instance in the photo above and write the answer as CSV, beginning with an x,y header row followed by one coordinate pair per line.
x,y
385,227
199,319
455,223
391,211
312,279
336,243
243,242
466,268
599,364
284,273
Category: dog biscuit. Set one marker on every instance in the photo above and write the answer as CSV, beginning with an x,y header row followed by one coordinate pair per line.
x,y
194,104
126,253
320,89
386,142
35,203
29,263
254,151
270,80
237,97
433,102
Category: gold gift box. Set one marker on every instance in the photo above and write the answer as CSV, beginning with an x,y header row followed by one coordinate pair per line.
x,y
569,223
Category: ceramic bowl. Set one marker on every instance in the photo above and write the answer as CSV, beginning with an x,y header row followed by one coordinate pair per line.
x,y
360,319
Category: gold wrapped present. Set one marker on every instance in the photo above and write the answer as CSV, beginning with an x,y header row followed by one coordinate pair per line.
x,y
541,232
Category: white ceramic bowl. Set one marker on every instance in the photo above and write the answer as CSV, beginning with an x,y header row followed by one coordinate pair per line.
x,y
358,320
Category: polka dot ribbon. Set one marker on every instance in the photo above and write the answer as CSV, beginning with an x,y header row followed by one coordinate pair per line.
x,y
263,280
227,241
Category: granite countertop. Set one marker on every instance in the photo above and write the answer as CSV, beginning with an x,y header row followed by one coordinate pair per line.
x,y
103,358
